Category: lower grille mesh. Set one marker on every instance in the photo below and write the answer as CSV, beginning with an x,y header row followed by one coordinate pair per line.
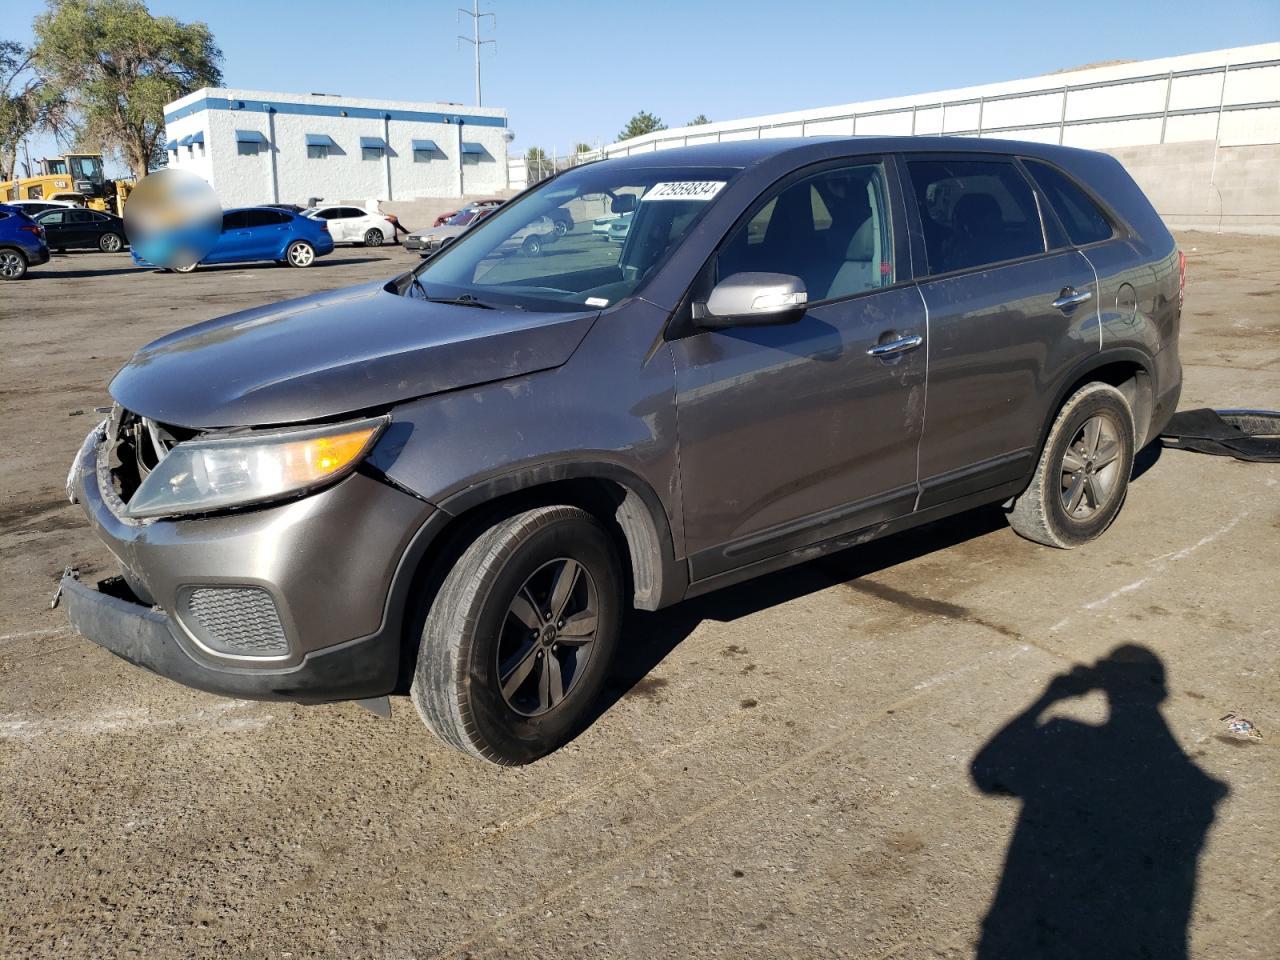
x,y
236,620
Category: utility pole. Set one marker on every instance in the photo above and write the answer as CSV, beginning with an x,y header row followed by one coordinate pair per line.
x,y
475,41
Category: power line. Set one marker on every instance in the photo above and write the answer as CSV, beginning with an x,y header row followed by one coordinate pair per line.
x,y
475,41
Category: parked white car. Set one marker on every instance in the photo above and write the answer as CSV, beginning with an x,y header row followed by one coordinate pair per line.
x,y
32,207
353,225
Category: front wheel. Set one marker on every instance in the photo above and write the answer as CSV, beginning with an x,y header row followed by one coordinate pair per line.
x,y
519,638
13,265
373,237
1083,474
110,243
300,254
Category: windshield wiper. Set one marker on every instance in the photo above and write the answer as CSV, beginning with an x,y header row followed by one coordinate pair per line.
x,y
466,300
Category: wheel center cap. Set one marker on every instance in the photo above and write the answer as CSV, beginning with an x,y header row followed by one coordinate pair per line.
x,y
548,634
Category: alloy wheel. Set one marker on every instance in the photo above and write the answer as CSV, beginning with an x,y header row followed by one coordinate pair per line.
x,y
373,238
547,636
301,255
1091,467
110,243
12,265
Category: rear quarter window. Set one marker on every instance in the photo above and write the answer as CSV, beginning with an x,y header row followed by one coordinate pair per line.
x,y
974,213
1083,220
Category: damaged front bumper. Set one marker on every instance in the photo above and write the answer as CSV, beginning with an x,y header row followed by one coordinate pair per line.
x,y
285,602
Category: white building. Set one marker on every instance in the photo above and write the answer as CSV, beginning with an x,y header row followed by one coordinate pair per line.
x,y
259,147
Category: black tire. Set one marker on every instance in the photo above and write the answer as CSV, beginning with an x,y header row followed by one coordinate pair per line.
x,y
13,264
373,237
1075,470
562,227
111,243
532,246
471,623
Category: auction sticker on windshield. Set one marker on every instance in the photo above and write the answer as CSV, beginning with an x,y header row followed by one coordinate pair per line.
x,y
684,190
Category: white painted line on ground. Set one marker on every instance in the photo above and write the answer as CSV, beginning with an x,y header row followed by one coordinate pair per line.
x,y
31,634
213,719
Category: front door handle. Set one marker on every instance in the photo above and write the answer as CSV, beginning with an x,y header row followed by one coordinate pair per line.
x,y
894,347
1071,298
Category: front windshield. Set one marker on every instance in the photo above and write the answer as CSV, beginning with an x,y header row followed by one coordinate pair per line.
x,y
543,251
86,168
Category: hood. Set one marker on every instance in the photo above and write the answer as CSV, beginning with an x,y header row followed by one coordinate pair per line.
x,y
333,353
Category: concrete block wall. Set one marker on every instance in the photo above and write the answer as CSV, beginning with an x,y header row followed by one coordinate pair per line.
x,y
1203,186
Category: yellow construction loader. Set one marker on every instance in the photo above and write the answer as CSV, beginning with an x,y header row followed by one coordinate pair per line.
x,y
75,177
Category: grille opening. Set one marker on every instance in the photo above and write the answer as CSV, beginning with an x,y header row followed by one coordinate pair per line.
x,y
239,621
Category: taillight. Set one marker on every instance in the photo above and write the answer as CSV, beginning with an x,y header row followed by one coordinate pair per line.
x,y
324,225
1182,277
36,229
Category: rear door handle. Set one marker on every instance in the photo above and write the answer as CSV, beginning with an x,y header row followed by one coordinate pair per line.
x,y
893,347
1071,298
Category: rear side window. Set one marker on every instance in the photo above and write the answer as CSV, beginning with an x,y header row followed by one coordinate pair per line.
x,y
1083,220
832,230
974,212
264,218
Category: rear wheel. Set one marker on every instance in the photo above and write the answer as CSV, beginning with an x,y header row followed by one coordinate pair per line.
x,y
110,243
1083,474
519,638
188,268
532,246
300,254
13,264
373,237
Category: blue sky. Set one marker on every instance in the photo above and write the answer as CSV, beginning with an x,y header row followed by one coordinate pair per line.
x,y
576,70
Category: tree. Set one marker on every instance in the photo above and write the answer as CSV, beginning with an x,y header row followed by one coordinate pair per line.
x,y
698,121
25,104
642,123
117,66
582,148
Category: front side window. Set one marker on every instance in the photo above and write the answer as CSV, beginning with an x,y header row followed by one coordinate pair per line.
x,y
56,217
831,229
542,252
974,212
1083,220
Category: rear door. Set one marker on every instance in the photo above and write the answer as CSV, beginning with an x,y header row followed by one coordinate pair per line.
x,y
57,230
1007,318
796,433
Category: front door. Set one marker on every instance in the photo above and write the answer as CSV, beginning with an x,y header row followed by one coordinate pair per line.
x,y
793,434
1006,321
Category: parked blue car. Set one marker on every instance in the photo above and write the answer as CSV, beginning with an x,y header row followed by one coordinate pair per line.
x,y
22,243
264,233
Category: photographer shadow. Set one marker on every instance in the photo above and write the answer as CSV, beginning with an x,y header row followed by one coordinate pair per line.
x,y
1103,859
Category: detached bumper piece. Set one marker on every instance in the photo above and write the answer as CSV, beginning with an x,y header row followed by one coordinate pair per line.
x,y
110,616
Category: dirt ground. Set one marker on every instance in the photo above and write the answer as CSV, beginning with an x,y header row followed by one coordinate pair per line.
x,y
783,769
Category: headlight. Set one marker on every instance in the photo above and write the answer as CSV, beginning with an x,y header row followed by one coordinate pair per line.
x,y
199,476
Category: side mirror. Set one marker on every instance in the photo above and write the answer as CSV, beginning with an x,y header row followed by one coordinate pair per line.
x,y
753,300
623,203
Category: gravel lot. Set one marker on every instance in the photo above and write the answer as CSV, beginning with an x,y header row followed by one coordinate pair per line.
x,y
782,770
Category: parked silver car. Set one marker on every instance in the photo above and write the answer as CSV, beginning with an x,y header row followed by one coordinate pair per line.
x,y
456,483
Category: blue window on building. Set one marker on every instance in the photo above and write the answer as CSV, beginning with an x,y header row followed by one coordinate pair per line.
x,y
424,151
320,146
372,148
249,143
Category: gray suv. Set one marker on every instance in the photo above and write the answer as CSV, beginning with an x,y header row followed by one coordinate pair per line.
x,y
455,483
